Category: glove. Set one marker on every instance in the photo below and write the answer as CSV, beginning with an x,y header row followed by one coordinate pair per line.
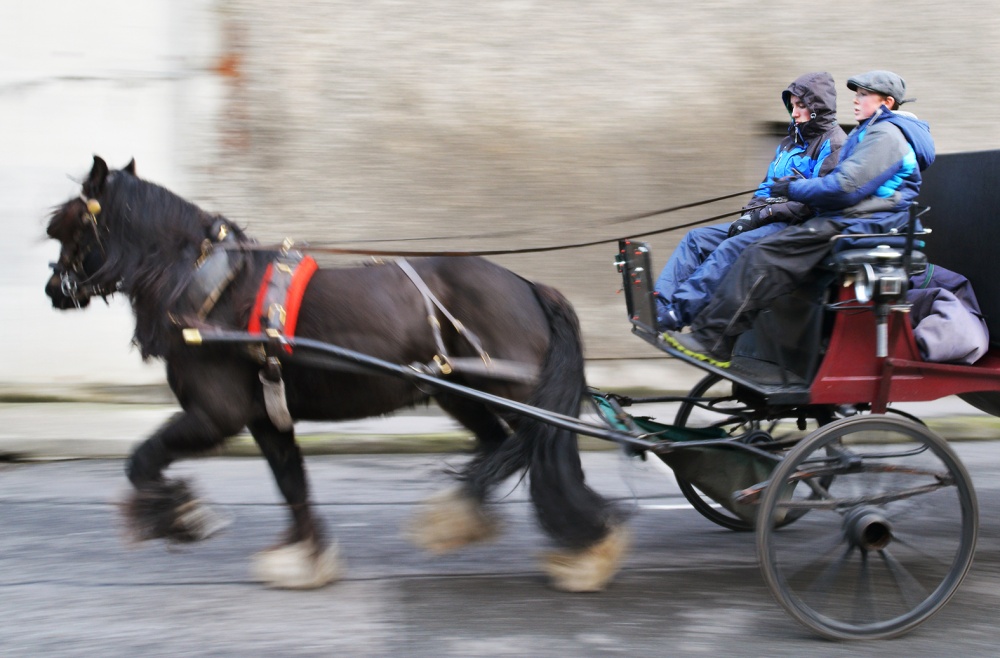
x,y
754,218
791,212
780,187
761,216
743,224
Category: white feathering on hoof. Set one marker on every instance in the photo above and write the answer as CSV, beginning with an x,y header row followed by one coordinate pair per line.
x,y
297,566
449,520
199,520
589,569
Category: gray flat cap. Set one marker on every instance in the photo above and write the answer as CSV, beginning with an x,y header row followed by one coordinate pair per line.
x,y
881,82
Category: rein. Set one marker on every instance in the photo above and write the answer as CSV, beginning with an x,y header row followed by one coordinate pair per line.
x,y
307,247
74,283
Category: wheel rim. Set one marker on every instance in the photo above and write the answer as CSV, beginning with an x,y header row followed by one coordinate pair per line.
x,y
885,545
700,501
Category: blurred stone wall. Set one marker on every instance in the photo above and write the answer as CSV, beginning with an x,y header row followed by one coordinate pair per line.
x,y
524,123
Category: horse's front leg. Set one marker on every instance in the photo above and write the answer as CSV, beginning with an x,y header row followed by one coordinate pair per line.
x,y
304,559
161,508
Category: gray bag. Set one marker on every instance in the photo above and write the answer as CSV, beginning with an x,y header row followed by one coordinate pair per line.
x,y
947,323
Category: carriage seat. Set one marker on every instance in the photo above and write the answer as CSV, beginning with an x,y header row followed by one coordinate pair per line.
x,y
875,249
870,242
883,255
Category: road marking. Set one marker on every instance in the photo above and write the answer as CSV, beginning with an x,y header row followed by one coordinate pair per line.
x,y
672,506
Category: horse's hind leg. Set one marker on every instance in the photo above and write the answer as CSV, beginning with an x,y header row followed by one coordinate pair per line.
x,y
166,508
303,560
457,516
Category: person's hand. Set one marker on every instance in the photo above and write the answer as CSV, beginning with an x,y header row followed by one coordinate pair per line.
x,y
743,224
791,212
780,187
754,218
761,215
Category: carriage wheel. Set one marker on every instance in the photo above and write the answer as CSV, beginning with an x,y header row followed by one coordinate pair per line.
x,y
719,416
886,542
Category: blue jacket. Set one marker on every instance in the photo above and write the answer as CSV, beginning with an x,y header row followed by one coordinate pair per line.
x,y
878,175
795,157
811,149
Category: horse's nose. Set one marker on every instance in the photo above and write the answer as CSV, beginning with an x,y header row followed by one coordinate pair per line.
x,y
59,300
52,288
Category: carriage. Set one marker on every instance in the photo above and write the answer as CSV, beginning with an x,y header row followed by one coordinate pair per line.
x,y
865,519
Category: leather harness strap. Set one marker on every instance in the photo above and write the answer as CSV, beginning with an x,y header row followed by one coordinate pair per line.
x,y
276,313
214,271
443,364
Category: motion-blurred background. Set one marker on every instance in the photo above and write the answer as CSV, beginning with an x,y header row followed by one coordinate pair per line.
x,y
488,125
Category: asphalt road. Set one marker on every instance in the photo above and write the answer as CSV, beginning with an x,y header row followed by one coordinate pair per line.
x,y
70,586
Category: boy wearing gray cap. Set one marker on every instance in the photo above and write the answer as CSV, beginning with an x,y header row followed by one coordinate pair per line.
x,y
869,191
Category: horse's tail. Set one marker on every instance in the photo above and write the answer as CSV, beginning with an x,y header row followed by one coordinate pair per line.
x,y
570,511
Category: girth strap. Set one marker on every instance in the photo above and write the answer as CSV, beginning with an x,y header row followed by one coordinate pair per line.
x,y
443,364
276,313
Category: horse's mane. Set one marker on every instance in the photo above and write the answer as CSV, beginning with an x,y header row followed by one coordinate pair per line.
x,y
154,237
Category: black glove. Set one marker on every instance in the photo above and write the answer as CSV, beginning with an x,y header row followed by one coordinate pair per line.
x,y
761,216
754,218
780,187
791,212
743,224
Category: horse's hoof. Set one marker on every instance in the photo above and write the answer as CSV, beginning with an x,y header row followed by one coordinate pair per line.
x,y
450,520
297,566
168,510
197,521
589,569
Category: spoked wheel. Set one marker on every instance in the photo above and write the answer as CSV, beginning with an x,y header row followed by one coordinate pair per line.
x,y
728,414
888,538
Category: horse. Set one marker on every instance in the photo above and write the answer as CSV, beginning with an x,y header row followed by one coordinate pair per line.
x,y
125,235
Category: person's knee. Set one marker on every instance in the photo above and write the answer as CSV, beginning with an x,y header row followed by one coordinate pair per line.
x,y
689,241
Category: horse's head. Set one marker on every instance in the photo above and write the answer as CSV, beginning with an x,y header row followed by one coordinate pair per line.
x,y
79,273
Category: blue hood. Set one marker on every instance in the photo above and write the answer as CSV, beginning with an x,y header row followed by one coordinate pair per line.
x,y
916,132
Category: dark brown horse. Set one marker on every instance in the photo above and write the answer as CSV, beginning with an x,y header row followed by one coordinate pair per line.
x,y
129,236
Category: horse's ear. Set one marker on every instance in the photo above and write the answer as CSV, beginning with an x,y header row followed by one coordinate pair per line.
x,y
130,167
98,175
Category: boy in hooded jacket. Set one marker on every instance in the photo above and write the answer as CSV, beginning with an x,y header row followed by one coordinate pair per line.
x,y
705,254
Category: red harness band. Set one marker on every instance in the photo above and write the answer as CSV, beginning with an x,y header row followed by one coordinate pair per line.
x,y
286,320
293,302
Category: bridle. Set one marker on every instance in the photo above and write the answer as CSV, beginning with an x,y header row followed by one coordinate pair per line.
x,y
74,282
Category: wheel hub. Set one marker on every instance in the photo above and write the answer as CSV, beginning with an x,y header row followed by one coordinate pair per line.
x,y
868,528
